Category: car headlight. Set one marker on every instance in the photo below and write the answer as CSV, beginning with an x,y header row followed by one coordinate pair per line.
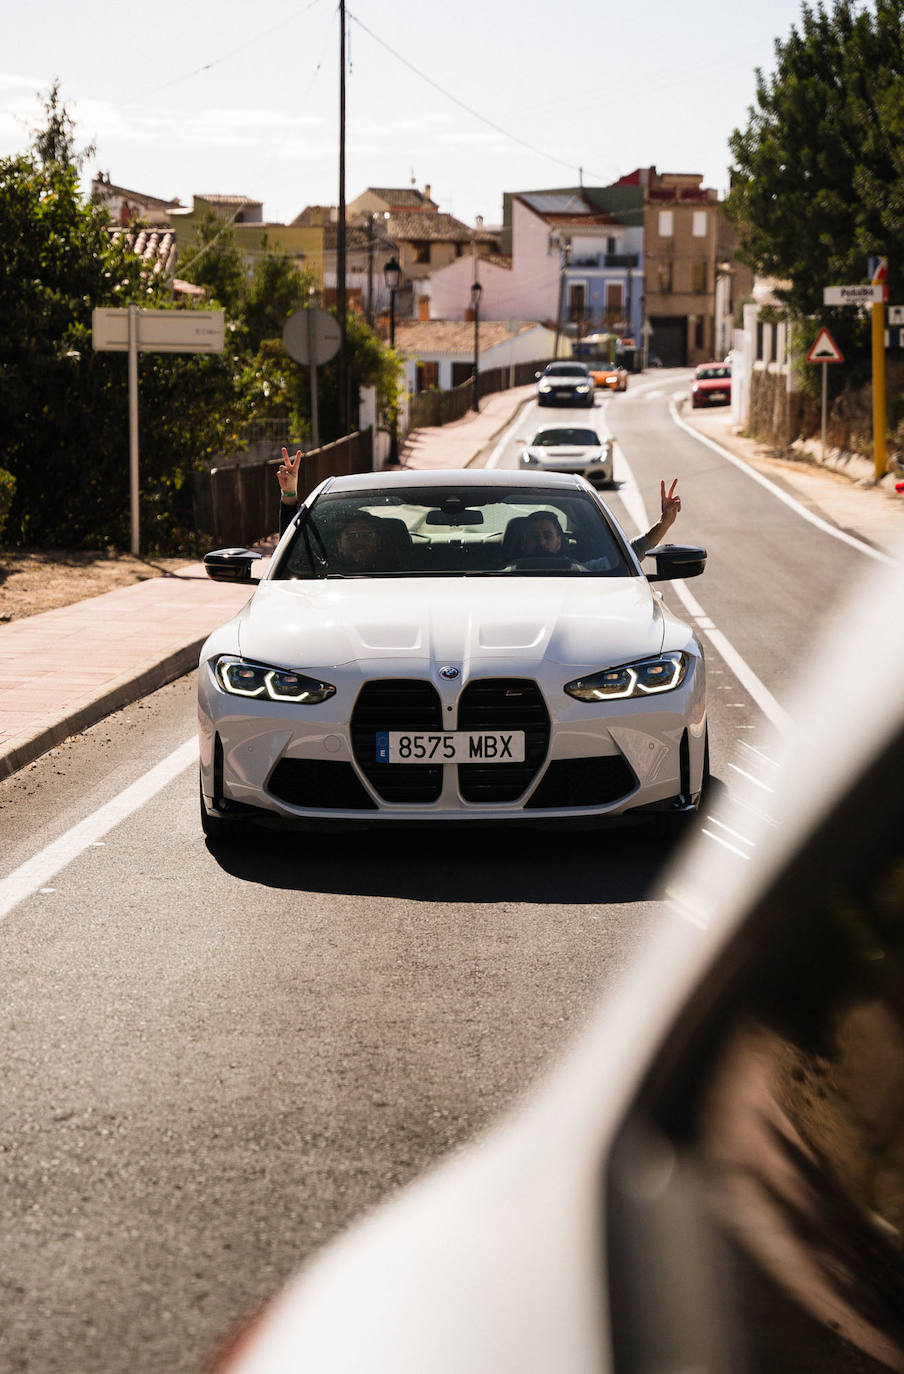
x,y
545,386
584,386
241,679
530,459
643,679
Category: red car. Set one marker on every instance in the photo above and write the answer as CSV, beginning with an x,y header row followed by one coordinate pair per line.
x,y
712,385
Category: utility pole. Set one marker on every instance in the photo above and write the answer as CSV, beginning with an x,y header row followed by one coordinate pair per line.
x,y
342,378
370,270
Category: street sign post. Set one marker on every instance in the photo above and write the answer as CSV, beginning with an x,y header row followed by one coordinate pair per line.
x,y
824,350
875,293
312,337
859,294
126,329
877,271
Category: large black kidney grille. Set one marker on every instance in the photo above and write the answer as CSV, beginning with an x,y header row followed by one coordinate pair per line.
x,y
502,703
397,704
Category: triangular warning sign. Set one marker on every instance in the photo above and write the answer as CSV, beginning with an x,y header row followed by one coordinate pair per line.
x,y
825,349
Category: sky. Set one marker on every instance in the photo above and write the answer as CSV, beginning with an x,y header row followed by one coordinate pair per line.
x,y
200,97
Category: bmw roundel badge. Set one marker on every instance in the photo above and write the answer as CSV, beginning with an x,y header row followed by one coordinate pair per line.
x,y
449,673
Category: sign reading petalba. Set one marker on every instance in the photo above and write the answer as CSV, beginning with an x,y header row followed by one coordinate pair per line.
x,y
861,294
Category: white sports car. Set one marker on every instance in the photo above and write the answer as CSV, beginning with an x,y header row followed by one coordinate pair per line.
x,y
570,448
451,647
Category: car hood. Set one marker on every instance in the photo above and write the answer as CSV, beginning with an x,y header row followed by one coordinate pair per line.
x,y
581,621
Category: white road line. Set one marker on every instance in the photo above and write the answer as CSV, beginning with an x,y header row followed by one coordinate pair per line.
x,y
760,694
493,460
725,845
36,872
782,495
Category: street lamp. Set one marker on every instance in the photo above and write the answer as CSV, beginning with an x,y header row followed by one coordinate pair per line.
x,y
392,275
476,292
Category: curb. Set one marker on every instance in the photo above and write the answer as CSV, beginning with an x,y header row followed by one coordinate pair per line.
x,y
132,686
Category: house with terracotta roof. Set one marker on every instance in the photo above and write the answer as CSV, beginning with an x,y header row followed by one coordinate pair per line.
x,y
570,260
440,353
406,224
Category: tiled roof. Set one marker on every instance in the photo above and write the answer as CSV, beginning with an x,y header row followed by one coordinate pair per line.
x,y
155,247
401,196
103,186
452,336
356,239
446,228
229,200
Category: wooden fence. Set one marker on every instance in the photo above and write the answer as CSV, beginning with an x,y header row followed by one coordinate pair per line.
x,y
428,408
239,506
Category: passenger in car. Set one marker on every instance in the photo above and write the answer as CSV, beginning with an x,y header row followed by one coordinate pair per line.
x,y
543,534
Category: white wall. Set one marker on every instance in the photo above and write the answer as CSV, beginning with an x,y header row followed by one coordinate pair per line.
x,y
529,290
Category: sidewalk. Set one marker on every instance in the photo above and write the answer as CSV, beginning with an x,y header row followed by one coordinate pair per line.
x,y
64,670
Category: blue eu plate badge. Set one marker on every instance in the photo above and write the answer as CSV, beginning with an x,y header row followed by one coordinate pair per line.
x,y
382,746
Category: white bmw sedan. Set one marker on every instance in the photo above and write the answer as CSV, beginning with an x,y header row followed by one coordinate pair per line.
x,y
570,448
451,647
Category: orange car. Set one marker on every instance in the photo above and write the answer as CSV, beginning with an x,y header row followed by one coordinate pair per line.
x,y
610,376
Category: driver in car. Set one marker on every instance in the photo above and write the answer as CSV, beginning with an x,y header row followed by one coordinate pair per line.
x,y
543,534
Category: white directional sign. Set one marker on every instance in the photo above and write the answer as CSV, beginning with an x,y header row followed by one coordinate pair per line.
x,y
159,331
825,349
896,314
851,295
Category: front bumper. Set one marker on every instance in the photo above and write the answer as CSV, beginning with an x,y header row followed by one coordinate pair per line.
x,y
315,766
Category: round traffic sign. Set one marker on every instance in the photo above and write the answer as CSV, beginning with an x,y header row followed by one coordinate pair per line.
x,y
311,336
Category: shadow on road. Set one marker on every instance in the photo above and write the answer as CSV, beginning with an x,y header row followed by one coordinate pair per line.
x,y
563,868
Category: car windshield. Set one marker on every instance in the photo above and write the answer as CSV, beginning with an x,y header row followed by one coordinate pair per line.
x,y
556,438
711,374
454,531
565,369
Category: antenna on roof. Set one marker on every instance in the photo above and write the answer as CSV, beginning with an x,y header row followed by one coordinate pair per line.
x,y
413,177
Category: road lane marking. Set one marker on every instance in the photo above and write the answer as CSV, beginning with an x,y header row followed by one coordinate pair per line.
x,y
493,460
782,495
36,872
756,690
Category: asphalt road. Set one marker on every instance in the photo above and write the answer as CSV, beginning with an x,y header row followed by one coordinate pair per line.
x,y
213,1063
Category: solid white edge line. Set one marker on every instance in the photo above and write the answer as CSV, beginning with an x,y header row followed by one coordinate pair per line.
x,y
493,460
759,694
34,873
782,495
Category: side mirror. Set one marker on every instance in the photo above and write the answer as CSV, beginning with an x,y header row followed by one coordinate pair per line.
x,y
676,561
230,565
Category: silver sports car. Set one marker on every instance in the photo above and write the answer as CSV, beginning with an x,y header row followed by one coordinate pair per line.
x,y
570,448
451,647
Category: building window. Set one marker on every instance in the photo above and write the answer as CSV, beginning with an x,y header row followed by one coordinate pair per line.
x,y
700,224
421,252
698,333
613,295
666,223
699,277
611,245
664,277
577,300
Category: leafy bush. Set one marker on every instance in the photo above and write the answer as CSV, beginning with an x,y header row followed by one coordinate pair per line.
x,y
7,491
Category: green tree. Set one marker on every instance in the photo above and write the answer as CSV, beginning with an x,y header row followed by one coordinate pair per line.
x,y
275,289
214,262
817,182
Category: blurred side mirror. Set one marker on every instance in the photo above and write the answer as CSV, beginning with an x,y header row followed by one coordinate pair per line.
x,y
230,565
677,560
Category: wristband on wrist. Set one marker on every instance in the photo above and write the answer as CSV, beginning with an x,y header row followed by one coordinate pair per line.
x,y
290,495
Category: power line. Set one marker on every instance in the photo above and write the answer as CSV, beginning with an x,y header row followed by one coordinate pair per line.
x,y
531,147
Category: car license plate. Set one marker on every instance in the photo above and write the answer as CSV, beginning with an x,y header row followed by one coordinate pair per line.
x,y
451,746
